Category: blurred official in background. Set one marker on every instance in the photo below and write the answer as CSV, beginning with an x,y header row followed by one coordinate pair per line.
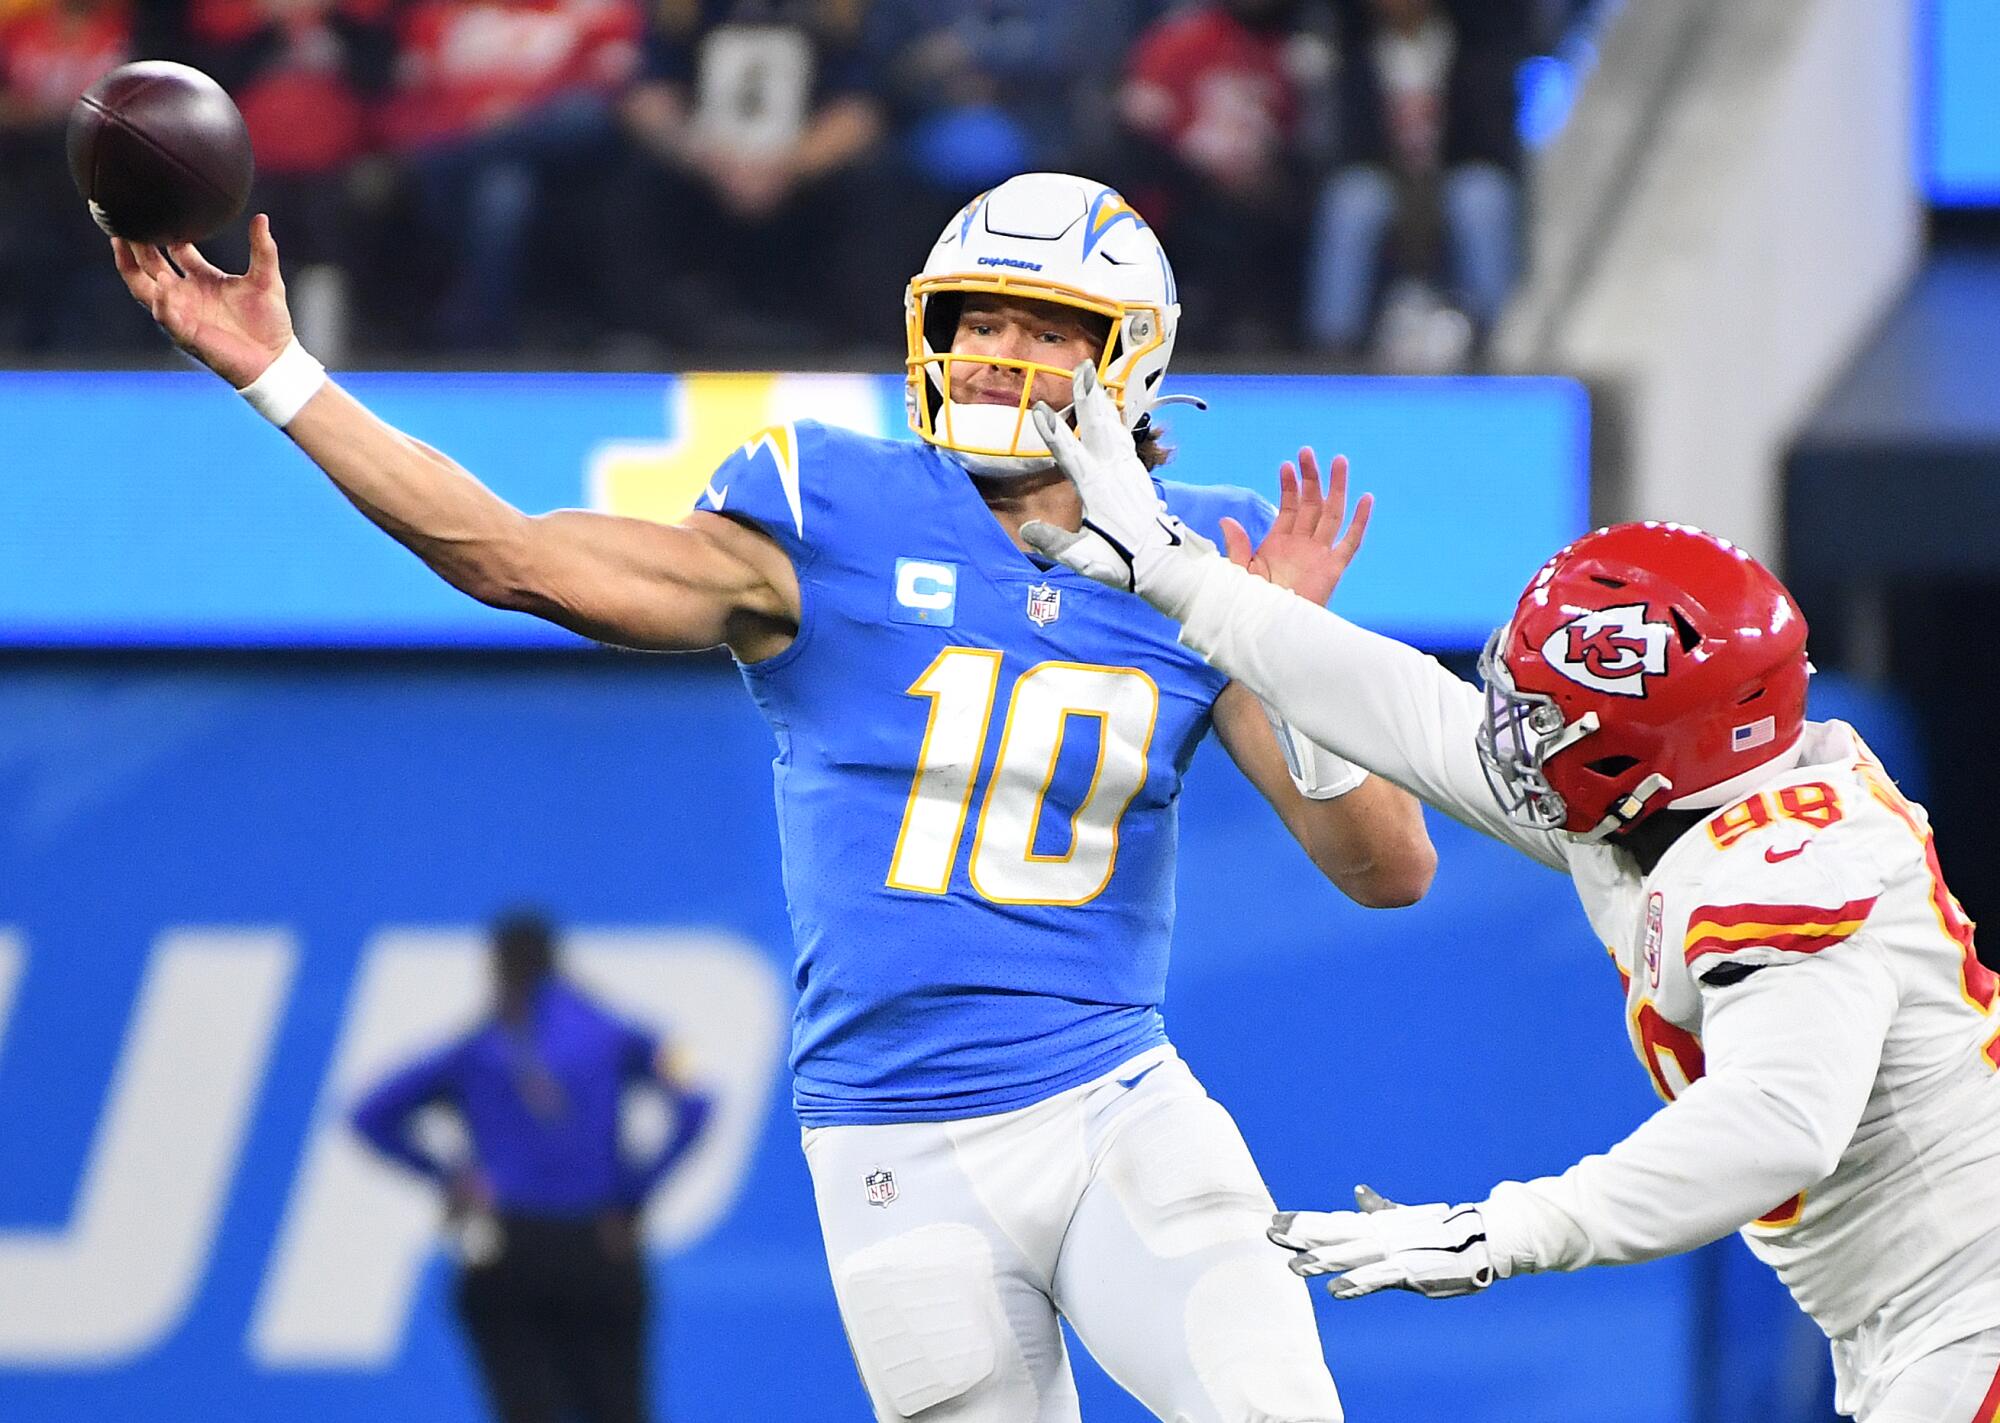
x,y
545,1205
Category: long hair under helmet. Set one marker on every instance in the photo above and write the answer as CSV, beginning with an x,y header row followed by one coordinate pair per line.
x,y
1046,237
1646,666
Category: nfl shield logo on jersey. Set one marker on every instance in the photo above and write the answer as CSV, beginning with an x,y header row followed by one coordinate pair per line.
x,y
1044,604
881,1186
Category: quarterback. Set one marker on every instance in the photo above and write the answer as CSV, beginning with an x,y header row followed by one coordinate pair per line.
x,y
1800,984
979,765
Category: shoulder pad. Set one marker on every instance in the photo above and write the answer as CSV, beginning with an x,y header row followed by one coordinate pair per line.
x,y
1203,506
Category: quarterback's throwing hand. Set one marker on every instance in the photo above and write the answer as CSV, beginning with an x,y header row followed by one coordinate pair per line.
x,y
236,326
1435,1250
1129,539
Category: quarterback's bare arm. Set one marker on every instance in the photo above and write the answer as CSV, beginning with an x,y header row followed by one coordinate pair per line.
x,y
700,584
1369,840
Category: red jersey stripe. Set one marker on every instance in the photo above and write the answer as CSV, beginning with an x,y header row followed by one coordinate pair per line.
x,y
1705,944
1727,914
1989,1406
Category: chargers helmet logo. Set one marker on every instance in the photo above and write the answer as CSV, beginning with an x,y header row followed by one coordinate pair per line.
x,y
1610,649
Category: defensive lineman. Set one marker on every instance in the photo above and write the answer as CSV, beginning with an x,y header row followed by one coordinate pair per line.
x,y
1801,985
979,763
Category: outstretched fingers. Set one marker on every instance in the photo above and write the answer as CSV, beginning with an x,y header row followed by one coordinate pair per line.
x,y
263,252
1288,499
142,287
1098,422
188,258
1236,542
1357,528
153,262
1057,435
1334,507
1312,503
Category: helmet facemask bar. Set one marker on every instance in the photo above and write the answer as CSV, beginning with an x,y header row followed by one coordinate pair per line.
x,y
944,419
1521,732
1136,329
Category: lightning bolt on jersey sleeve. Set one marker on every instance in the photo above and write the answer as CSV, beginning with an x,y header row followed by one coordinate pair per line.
x,y
761,484
1367,698
1791,1056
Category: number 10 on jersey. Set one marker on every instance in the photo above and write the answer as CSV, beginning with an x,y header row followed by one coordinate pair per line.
x,y
962,684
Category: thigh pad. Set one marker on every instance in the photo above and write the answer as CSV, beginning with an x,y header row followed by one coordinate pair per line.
x,y
924,1315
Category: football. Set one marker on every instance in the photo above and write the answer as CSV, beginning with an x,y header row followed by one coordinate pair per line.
x,y
160,153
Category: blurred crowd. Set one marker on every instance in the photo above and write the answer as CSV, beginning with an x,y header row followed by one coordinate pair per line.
x,y
662,180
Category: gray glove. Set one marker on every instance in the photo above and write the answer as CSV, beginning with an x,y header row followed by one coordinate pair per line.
x,y
1129,539
1437,1251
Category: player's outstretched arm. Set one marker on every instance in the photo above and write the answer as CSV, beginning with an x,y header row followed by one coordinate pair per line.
x,y
1371,700
1792,1053
628,581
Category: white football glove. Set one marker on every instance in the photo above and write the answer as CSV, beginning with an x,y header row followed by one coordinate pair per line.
x,y
1438,1251
1129,540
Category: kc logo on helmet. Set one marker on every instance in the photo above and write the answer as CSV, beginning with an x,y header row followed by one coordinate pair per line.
x,y
1610,649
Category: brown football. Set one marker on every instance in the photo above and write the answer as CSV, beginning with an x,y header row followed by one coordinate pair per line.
x,y
160,153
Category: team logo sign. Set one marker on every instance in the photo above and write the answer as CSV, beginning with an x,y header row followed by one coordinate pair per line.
x,y
1610,649
881,1186
1044,604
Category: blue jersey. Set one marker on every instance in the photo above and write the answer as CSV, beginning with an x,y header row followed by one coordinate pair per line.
x,y
979,764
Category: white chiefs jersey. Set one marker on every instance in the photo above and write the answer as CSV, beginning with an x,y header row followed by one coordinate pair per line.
x,y
1895,1251
1801,987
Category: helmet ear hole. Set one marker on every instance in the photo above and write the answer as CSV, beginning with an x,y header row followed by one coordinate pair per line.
x,y
1611,767
1690,639
1752,697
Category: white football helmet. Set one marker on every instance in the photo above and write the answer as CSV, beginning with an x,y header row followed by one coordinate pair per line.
x,y
1049,237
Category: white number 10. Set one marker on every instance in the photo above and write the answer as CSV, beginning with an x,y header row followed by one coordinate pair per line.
x,y
961,683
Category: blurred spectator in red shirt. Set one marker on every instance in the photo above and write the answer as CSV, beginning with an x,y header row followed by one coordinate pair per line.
x,y
1223,101
52,52
1430,160
51,258
304,73
754,121
495,104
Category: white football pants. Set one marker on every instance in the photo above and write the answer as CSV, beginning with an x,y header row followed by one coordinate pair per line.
x,y
1959,1383
1129,1205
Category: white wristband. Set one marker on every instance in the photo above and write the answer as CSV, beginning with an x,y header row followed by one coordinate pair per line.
x,y
1316,771
286,385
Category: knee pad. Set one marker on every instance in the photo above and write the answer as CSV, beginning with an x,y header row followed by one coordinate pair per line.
x,y
1254,1347
923,1314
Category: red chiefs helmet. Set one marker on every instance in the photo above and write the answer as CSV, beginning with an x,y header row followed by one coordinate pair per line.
x,y
1646,665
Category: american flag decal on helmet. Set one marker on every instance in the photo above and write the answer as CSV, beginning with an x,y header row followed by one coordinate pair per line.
x,y
1758,733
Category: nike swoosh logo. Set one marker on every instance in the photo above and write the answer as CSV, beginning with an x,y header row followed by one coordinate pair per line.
x,y
1128,1083
1772,855
1173,539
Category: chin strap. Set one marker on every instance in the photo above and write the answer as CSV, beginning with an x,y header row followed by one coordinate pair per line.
x,y
1628,808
